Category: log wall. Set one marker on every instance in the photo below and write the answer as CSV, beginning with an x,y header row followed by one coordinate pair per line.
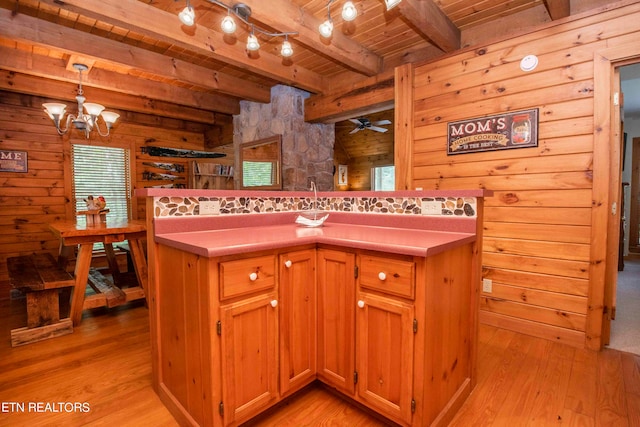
x,y
31,200
538,226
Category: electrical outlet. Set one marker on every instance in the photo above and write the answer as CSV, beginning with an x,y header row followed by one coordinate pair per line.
x,y
431,208
210,207
487,285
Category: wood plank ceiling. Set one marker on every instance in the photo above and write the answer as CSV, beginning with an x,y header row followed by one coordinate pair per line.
x,y
143,58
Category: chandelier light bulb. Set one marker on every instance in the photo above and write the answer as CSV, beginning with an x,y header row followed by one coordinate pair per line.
x,y
349,11
391,3
286,50
54,110
228,25
109,117
326,28
187,16
93,109
252,43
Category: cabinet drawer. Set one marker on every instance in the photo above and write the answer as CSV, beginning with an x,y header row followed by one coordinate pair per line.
x,y
244,276
391,276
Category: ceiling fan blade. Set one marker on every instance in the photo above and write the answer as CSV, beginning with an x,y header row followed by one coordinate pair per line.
x,y
356,121
355,130
381,122
377,129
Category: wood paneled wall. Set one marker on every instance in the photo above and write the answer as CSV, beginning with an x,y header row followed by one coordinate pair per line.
x,y
538,224
31,200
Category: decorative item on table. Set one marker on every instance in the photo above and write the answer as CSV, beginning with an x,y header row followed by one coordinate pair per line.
x,y
96,212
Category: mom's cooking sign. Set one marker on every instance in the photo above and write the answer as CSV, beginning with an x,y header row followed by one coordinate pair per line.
x,y
517,129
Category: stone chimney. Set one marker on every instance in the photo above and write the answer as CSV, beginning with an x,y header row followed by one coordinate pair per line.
x,y
307,149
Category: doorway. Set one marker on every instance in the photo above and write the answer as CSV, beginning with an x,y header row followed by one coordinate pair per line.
x,y
625,315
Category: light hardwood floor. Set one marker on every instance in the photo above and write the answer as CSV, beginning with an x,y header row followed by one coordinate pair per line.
x,y
105,364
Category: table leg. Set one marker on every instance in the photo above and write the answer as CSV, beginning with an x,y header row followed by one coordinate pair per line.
x,y
113,264
139,263
83,263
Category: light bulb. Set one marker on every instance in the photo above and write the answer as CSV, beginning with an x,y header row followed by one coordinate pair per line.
x,y
286,50
93,109
349,11
391,3
187,16
54,109
110,117
326,28
228,25
252,42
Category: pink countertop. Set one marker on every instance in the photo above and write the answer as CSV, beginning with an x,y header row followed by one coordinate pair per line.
x,y
213,243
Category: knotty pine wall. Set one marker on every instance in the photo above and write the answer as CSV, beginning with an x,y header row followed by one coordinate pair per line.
x,y
29,201
538,224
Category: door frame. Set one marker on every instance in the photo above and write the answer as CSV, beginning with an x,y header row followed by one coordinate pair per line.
x,y
606,203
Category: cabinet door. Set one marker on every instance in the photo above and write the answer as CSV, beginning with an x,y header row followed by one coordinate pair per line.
x,y
336,319
384,354
250,356
297,319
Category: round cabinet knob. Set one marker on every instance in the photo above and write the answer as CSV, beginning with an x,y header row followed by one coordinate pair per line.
x,y
274,303
382,276
253,276
288,263
361,304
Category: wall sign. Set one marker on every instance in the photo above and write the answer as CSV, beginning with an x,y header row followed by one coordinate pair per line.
x,y
517,129
13,161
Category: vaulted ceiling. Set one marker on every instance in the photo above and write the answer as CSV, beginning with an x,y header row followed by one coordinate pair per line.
x,y
141,57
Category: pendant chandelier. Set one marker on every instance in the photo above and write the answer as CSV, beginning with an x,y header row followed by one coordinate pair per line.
x,y
84,122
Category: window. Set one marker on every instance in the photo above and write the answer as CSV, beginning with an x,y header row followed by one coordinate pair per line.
x,y
102,171
383,178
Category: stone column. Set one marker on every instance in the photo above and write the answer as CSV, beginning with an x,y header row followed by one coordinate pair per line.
x,y
307,149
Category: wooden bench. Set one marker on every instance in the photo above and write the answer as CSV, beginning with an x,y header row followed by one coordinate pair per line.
x,y
40,278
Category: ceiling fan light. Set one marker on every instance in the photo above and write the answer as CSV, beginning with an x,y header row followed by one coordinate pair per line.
x,y
349,11
326,28
286,50
391,3
187,16
228,25
252,43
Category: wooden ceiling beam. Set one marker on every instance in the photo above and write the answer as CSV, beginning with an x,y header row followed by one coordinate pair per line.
x,y
558,8
58,37
285,16
369,96
54,68
139,17
428,19
47,88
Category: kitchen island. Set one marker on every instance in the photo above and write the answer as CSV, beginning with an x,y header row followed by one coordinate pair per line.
x,y
380,303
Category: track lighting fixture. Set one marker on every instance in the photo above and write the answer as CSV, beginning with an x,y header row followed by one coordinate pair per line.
x,y
391,3
252,42
187,16
243,12
228,25
286,50
84,122
349,11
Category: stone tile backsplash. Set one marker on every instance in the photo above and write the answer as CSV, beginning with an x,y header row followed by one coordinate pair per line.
x,y
189,206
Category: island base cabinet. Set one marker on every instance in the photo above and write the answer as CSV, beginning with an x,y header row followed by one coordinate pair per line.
x,y
384,355
336,317
249,343
297,320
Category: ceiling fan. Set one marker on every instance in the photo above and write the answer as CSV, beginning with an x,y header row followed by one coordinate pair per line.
x,y
363,123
